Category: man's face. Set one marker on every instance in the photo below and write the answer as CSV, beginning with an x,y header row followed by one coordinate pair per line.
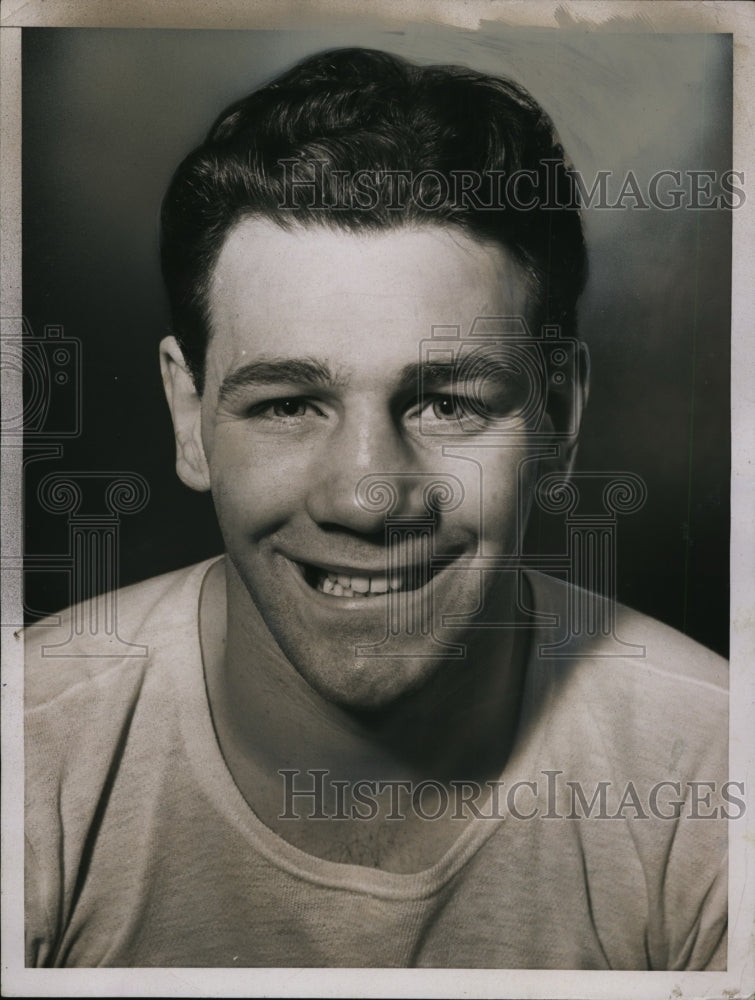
x,y
311,386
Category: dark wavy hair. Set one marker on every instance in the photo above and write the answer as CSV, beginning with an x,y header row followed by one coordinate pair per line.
x,y
342,112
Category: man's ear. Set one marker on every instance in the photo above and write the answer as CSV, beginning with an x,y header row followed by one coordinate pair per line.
x,y
581,395
186,410
566,409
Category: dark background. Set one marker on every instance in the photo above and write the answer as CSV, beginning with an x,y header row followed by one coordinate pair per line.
x,y
108,114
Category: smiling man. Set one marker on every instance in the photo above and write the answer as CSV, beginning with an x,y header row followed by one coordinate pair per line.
x,y
368,735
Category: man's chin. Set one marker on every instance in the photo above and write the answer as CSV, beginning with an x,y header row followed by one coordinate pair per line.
x,y
367,683
355,652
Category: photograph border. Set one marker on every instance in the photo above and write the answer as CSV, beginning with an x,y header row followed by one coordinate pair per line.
x,y
672,16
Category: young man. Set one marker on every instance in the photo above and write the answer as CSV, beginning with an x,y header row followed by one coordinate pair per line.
x,y
369,735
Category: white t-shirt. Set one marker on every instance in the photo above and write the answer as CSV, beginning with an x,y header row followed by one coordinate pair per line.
x,y
141,851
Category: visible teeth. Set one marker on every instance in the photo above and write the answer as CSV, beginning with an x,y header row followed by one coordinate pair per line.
x,y
341,585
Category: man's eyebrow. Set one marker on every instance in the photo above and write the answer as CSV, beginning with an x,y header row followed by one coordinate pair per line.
x,y
430,373
303,371
433,372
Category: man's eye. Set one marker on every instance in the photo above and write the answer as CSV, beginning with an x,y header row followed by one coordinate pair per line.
x,y
450,408
472,412
288,409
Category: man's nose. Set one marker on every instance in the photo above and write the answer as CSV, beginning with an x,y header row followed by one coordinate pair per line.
x,y
366,470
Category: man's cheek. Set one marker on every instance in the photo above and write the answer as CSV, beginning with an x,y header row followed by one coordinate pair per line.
x,y
249,497
502,501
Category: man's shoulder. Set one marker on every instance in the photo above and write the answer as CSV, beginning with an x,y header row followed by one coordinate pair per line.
x,y
625,690
600,635
110,635
624,681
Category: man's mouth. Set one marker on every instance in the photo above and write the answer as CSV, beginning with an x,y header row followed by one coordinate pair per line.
x,y
342,584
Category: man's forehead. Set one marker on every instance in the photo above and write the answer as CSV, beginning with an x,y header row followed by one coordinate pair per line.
x,y
325,263
346,299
